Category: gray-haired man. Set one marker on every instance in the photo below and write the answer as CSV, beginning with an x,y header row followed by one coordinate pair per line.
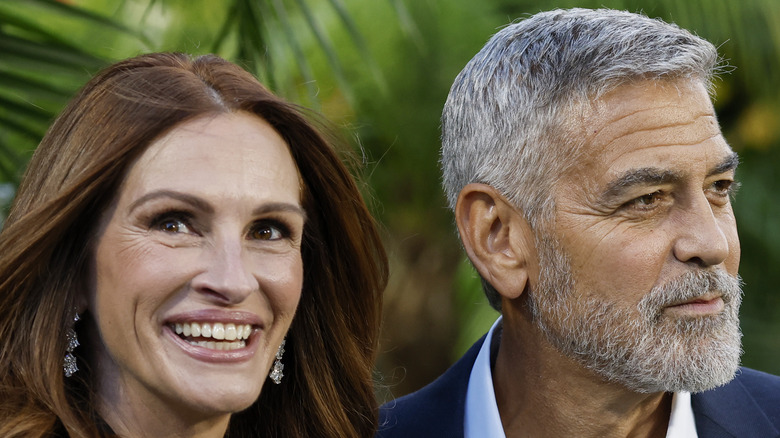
x,y
591,188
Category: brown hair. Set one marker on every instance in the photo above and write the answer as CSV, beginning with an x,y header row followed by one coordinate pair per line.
x,y
75,173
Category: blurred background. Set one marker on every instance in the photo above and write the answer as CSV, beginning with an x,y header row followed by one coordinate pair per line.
x,y
380,70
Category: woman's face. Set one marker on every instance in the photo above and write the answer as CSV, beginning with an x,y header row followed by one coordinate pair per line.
x,y
205,231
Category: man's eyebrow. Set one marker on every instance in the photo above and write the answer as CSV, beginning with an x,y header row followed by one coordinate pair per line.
x,y
729,163
649,176
645,176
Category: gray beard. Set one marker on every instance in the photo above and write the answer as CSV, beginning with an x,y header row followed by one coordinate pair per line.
x,y
641,348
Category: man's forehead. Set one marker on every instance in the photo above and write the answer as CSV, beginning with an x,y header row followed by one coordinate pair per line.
x,y
668,109
669,127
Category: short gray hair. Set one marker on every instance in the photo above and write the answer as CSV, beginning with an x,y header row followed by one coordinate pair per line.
x,y
508,120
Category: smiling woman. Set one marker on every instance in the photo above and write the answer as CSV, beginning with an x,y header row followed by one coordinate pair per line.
x,y
202,233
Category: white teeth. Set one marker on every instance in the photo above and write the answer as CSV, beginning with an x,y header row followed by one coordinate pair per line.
x,y
230,332
217,330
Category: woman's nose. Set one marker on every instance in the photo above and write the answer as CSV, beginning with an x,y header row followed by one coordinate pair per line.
x,y
227,274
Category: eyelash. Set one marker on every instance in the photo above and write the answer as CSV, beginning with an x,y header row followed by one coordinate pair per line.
x,y
273,224
654,197
730,189
183,217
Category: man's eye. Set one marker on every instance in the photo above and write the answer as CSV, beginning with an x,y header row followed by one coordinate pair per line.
x,y
724,187
649,200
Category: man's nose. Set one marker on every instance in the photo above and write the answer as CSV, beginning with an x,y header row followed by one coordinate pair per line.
x,y
702,238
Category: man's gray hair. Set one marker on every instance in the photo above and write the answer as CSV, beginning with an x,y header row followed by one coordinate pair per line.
x,y
511,119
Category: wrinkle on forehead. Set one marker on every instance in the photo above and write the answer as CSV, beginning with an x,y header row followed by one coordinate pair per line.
x,y
678,133
662,125
649,106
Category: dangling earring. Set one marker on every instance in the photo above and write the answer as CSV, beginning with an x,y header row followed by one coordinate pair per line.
x,y
276,373
69,365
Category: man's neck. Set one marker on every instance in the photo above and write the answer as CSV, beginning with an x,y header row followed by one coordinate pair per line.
x,y
541,393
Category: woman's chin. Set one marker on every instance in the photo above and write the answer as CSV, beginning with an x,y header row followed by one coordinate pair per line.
x,y
227,398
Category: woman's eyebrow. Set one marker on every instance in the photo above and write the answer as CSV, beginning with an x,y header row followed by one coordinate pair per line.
x,y
183,197
279,206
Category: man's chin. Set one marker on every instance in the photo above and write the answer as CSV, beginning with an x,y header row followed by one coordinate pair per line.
x,y
690,362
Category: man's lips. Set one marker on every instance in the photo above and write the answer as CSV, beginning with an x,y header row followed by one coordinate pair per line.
x,y
707,304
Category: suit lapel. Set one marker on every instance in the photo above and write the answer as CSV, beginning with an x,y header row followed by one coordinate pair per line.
x,y
730,411
434,411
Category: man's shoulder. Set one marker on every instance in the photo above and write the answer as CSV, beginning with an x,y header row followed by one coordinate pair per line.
x,y
764,388
749,405
435,410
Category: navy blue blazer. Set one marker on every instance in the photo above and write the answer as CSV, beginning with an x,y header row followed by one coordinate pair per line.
x,y
747,407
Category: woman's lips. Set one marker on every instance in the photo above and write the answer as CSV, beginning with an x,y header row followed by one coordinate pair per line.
x,y
214,335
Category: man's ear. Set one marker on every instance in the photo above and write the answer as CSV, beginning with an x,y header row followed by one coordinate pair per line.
x,y
497,239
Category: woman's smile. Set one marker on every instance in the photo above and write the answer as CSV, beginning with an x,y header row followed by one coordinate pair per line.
x,y
198,269
215,335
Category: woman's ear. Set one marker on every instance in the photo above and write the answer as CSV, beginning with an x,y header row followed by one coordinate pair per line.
x,y
497,238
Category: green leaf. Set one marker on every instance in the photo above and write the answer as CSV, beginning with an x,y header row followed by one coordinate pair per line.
x,y
224,29
45,57
8,171
360,43
330,52
89,18
9,124
408,25
27,110
32,87
292,41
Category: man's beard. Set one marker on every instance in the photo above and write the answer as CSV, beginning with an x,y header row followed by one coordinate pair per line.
x,y
641,348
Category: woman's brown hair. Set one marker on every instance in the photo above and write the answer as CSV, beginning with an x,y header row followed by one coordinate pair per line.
x,y
71,179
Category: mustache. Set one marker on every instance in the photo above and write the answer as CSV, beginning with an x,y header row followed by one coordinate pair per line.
x,y
692,285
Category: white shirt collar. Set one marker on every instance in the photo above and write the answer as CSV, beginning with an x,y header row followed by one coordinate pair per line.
x,y
482,420
681,423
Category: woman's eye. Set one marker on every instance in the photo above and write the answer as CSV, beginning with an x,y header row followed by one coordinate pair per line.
x,y
172,224
266,232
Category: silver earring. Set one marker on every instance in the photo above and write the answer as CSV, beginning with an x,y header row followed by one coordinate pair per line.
x,y
276,373
69,365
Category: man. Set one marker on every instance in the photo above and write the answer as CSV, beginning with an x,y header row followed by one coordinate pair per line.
x,y
591,188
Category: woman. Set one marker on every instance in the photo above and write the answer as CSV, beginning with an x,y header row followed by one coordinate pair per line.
x,y
202,232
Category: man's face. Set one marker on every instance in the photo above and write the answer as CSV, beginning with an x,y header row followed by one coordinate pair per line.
x,y
639,269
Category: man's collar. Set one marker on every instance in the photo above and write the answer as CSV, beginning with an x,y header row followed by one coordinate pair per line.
x,y
481,418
